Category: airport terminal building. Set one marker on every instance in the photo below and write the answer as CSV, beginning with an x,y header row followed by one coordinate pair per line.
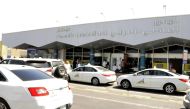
x,y
139,43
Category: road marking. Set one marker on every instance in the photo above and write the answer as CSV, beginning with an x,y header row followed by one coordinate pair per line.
x,y
121,102
127,94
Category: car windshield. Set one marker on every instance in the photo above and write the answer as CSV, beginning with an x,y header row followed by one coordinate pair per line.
x,y
57,63
38,64
31,74
19,62
102,68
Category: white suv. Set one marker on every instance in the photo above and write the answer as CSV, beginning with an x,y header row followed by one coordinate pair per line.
x,y
53,67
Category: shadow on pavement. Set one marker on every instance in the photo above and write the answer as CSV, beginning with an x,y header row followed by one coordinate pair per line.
x,y
151,91
89,84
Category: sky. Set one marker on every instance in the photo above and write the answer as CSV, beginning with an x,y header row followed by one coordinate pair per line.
x,y
23,15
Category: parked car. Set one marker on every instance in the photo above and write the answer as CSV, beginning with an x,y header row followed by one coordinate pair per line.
x,y
54,67
35,62
154,78
42,65
54,63
186,100
13,61
25,87
92,74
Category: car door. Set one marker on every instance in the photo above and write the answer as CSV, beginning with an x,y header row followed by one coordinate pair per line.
x,y
4,85
159,79
141,79
76,73
88,73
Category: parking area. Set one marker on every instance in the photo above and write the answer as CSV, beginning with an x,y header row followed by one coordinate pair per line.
x,y
120,90
108,96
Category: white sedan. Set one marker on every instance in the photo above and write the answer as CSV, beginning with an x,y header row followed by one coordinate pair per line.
x,y
24,87
159,79
92,74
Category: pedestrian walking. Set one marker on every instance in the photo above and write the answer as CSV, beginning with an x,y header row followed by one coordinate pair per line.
x,y
74,64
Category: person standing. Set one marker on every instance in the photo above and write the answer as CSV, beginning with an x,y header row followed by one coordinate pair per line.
x,y
108,65
122,65
78,62
1,58
114,67
74,63
104,63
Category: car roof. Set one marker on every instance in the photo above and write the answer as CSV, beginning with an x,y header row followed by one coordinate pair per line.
x,y
166,70
15,67
13,59
42,59
34,59
89,65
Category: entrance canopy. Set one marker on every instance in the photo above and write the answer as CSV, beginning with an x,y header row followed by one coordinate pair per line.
x,y
164,42
103,43
56,45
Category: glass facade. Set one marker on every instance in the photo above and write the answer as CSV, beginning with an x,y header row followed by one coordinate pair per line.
x,y
113,55
166,57
83,54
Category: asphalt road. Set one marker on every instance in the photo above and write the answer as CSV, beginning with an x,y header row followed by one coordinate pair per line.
x,y
113,97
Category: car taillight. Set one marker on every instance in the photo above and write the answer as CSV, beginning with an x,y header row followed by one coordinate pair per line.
x,y
184,80
107,74
38,91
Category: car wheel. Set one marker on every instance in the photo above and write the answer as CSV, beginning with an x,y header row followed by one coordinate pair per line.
x,y
68,106
169,88
3,104
95,81
57,72
125,84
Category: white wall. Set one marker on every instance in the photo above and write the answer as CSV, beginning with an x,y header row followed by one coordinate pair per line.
x,y
132,32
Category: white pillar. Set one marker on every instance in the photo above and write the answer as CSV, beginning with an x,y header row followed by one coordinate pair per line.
x,y
152,57
62,54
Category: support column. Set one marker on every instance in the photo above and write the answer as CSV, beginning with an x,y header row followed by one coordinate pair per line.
x,y
62,54
153,58
138,63
92,56
56,54
102,56
142,59
184,60
168,64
